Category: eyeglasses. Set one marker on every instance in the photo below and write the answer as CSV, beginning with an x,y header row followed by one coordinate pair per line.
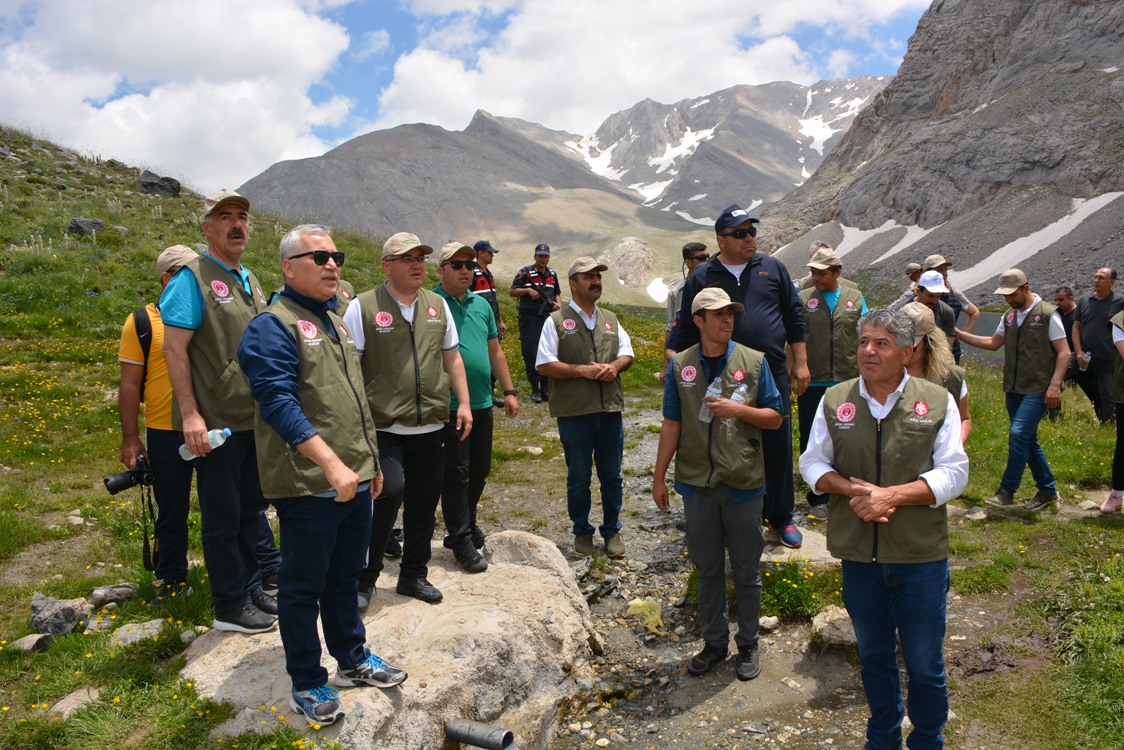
x,y
321,257
408,258
457,265
701,258
741,234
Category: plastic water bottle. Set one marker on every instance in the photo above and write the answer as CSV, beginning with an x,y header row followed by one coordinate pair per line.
x,y
738,397
214,437
1083,361
714,389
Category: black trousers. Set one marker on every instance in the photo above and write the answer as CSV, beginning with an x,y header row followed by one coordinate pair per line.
x,y
530,329
776,447
467,465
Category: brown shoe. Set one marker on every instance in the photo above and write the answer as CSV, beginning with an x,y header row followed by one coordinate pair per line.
x,y
583,544
614,546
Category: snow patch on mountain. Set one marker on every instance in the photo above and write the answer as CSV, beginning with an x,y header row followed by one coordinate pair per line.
x,y
686,146
599,164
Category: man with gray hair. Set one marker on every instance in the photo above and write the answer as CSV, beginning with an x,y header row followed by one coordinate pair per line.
x,y
205,308
1035,357
886,448
318,461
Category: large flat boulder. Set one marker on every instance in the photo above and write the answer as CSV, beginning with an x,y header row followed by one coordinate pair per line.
x,y
506,646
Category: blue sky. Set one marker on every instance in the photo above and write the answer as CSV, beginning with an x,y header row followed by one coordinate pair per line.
x,y
213,93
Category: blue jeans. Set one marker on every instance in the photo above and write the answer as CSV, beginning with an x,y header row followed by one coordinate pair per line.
x,y
1023,450
323,547
906,600
590,439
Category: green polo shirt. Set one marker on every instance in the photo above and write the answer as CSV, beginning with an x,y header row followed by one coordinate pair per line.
x,y
476,326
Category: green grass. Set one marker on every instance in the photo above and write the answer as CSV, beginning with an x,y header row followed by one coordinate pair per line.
x,y
62,302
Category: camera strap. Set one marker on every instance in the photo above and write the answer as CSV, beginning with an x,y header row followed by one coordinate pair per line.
x,y
150,555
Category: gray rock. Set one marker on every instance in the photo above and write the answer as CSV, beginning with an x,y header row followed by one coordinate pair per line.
x,y
83,227
52,616
33,642
117,593
188,637
133,632
75,701
833,627
153,184
769,623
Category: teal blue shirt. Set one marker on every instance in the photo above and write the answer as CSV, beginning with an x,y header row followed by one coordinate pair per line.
x,y
476,326
181,304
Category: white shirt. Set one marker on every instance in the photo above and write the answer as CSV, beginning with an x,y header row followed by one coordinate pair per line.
x,y
548,341
946,479
353,318
1057,330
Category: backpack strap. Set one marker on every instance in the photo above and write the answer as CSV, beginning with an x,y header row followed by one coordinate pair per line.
x,y
144,335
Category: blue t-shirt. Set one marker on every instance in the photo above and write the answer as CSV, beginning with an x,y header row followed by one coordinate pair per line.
x,y
181,304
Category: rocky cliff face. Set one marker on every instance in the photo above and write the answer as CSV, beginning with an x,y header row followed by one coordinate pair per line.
x,y
996,105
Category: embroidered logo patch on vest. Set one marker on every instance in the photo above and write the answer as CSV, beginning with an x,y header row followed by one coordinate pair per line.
x,y
813,303
920,408
308,328
261,295
608,326
221,290
739,375
846,412
431,311
569,324
1037,318
346,294
1010,318
384,319
343,329
688,374
850,304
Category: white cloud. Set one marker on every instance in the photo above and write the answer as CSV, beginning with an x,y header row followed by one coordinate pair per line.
x,y
373,43
201,90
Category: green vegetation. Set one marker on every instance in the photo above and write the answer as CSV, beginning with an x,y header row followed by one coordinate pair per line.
x,y
62,301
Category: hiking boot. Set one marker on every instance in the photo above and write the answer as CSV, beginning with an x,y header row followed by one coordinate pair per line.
x,y
477,536
818,512
245,619
614,547
371,671
166,592
269,583
419,588
469,559
320,705
265,603
1042,500
789,536
749,662
365,592
706,660
1001,499
394,544
583,544
1111,504
536,396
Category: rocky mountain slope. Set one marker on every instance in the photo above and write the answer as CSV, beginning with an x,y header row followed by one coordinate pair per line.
x,y
1000,142
658,172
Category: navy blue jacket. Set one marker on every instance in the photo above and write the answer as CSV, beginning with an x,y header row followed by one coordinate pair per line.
x,y
772,315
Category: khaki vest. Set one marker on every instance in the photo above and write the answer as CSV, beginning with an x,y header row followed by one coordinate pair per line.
x,y
577,345
1028,355
402,365
331,396
712,454
222,392
896,451
1118,321
955,382
832,337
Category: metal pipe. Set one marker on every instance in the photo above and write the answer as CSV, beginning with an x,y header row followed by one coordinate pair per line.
x,y
480,735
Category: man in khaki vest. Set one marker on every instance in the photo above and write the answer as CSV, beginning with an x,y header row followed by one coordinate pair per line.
x,y
831,315
1035,357
205,309
720,472
584,350
886,448
409,349
317,458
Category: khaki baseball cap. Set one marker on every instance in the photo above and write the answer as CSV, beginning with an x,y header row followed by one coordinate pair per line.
x,y
714,298
912,268
401,244
175,257
1010,280
452,248
221,198
922,317
935,261
585,264
824,258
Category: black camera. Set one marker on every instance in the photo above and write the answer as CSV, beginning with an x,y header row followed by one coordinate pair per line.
x,y
122,481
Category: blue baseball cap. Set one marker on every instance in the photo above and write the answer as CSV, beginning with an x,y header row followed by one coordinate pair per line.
x,y
484,246
542,249
732,216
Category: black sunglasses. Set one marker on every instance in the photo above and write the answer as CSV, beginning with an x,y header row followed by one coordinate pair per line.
x,y
742,233
320,257
457,265
701,258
